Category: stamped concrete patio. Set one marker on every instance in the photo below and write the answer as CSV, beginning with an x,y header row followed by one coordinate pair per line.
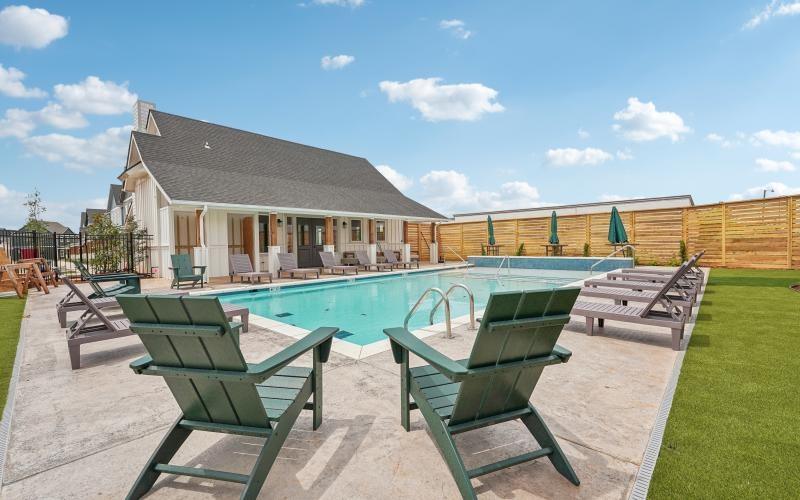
x,y
87,433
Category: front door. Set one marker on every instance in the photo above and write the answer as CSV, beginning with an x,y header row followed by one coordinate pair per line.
x,y
310,241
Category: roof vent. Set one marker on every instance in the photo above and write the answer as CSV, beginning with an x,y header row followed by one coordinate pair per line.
x,y
206,145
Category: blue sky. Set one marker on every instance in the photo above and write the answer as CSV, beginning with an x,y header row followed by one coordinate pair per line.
x,y
465,105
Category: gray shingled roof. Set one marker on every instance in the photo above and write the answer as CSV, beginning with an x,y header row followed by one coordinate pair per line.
x,y
114,196
245,168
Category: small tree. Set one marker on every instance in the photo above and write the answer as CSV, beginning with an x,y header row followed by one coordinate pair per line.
x,y
586,249
139,240
106,245
35,206
521,249
684,253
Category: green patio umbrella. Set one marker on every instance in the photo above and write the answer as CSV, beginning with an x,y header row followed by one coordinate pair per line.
x,y
553,229
616,230
491,230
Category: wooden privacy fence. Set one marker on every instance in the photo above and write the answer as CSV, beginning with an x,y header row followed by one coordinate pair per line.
x,y
752,233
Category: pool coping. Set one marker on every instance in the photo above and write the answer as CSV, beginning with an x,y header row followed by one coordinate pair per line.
x,y
357,352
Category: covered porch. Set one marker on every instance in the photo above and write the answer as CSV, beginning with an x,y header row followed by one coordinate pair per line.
x,y
210,234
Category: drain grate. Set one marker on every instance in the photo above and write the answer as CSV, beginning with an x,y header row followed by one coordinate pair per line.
x,y
342,334
283,315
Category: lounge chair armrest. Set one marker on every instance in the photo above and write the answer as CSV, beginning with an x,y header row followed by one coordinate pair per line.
x,y
202,268
321,337
400,337
562,353
140,364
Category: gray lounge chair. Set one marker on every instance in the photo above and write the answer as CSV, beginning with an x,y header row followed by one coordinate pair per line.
x,y
241,267
94,325
329,263
680,286
365,264
693,273
672,317
405,264
289,266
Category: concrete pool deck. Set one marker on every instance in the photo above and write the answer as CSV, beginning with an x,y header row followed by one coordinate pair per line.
x,y
88,432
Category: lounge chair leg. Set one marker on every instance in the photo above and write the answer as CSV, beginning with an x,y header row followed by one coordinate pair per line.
x,y
677,334
165,451
317,388
270,450
545,438
75,356
589,326
62,318
405,405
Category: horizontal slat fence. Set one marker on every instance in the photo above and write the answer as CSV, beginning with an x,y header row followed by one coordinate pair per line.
x,y
752,234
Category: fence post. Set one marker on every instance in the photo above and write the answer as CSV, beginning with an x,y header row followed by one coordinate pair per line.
x,y
724,235
36,244
131,262
55,249
790,214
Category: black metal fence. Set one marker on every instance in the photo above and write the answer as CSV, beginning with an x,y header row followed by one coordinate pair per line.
x,y
102,254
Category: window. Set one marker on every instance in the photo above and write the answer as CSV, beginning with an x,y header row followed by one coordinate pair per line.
x,y
355,230
380,230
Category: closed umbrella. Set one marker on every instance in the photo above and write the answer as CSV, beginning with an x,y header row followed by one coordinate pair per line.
x,y
491,230
616,230
553,229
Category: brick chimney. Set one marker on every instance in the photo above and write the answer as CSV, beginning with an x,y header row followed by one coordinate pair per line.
x,y
140,111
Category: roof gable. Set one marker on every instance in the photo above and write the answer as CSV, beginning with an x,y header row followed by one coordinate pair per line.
x,y
198,161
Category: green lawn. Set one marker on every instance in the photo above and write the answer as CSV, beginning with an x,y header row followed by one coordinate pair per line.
x,y
10,317
734,428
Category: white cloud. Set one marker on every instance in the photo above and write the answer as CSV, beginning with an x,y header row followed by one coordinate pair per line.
x,y
773,9
20,123
12,86
641,121
771,188
17,123
796,155
567,157
437,102
21,26
450,191
719,139
106,149
341,3
96,96
456,27
12,213
336,62
766,165
624,154
399,180
780,138
583,134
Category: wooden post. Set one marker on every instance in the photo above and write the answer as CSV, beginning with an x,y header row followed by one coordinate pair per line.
x,y
371,229
328,230
197,227
790,214
633,227
433,232
405,231
724,236
588,222
273,230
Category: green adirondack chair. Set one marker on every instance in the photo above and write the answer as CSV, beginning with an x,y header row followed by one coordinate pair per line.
x,y
193,346
126,282
516,340
183,271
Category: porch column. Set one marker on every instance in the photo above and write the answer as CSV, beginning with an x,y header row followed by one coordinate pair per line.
x,y
434,245
200,257
406,244
256,255
373,247
329,245
273,248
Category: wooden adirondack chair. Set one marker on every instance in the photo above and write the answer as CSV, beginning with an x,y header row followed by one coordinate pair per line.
x,y
183,271
516,340
192,345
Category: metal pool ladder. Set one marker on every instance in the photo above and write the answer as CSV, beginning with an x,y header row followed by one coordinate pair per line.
x,y
447,295
446,301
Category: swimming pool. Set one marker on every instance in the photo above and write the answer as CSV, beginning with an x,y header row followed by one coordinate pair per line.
x,y
362,308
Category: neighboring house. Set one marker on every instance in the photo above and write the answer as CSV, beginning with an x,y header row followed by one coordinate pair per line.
x,y
580,209
54,227
87,217
210,191
114,206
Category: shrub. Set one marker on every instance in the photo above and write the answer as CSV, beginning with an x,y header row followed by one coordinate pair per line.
x,y
684,253
586,250
521,249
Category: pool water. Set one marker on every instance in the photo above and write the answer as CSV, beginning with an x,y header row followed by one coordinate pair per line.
x,y
362,308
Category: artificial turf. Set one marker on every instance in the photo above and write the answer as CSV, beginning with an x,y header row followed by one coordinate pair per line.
x,y
10,317
734,427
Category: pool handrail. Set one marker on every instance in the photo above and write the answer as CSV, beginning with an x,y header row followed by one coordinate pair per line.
x,y
621,249
411,312
500,267
448,247
471,304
